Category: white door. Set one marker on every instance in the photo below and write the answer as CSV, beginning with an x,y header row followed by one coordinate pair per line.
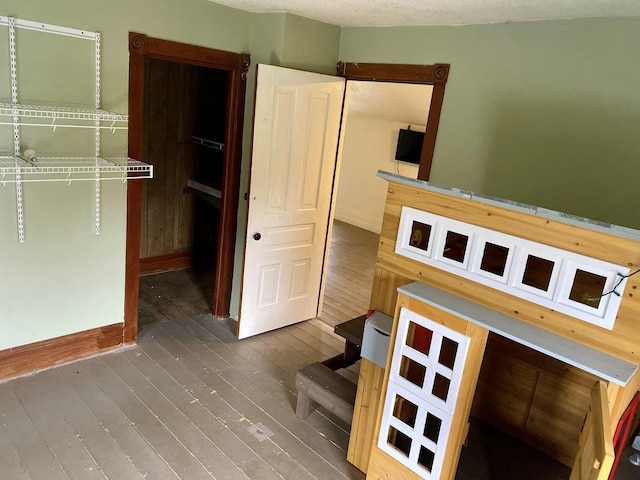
x,y
295,137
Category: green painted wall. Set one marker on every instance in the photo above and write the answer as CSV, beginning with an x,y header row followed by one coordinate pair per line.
x,y
267,38
545,113
310,45
64,278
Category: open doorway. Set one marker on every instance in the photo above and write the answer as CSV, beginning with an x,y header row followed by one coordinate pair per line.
x,y
376,114
186,107
381,119
291,184
183,131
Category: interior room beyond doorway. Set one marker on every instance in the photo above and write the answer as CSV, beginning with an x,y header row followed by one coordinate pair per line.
x,y
376,112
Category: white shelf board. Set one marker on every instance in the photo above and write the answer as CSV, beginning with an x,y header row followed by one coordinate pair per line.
x,y
201,187
59,112
44,169
581,356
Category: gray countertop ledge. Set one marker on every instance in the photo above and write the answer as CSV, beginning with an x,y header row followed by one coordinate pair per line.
x,y
569,219
581,356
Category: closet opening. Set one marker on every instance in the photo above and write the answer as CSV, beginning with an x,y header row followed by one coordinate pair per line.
x,y
186,107
184,131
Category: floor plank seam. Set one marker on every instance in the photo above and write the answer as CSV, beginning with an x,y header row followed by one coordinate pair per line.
x,y
269,415
214,416
176,407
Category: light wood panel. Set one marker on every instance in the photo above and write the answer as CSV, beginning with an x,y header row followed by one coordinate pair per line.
x,y
505,387
621,342
555,418
595,459
537,399
368,402
384,292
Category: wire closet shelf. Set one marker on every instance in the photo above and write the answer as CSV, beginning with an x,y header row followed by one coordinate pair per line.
x,y
55,169
28,167
54,116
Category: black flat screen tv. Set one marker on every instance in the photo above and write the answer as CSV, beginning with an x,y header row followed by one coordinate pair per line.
x,y
409,146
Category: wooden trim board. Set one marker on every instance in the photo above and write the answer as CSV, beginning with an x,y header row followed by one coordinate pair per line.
x,y
390,72
48,353
163,263
436,75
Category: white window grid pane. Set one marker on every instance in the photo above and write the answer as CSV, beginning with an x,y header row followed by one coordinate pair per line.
x,y
431,361
432,368
405,233
416,434
520,266
430,241
564,290
478,252
441,240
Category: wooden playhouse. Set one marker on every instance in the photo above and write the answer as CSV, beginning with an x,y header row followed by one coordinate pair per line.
x,y
527,318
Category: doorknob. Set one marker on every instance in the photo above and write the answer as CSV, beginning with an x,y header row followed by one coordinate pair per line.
x,y
257,236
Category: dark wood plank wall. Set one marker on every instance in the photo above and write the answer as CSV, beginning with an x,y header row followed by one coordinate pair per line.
x,y
167,210
186,125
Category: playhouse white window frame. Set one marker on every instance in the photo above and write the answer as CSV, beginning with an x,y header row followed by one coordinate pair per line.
x,y
422,396
566,264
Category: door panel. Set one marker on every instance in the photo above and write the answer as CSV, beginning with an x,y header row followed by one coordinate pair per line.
x,y
296,125
282,238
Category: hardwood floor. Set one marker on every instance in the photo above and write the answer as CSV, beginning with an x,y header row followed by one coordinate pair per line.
x,y
352,262
185,403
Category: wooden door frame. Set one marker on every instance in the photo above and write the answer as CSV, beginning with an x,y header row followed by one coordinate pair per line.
x,y
436,75
142,47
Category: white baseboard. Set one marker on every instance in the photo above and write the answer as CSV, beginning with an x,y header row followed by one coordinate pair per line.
x,y
359,219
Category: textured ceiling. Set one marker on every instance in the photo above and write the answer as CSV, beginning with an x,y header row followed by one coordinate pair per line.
x,y
362,13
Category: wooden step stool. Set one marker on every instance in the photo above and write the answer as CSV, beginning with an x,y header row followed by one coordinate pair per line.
x,y
317,382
